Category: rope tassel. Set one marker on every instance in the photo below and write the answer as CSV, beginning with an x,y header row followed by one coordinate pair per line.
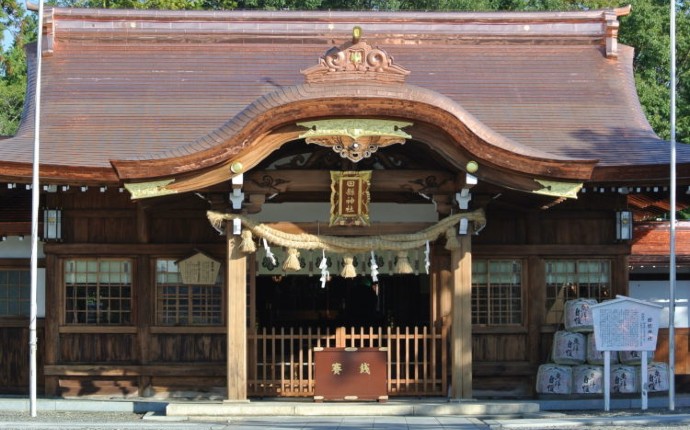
x,y
291,263
348,267
451,239
247,246
402,264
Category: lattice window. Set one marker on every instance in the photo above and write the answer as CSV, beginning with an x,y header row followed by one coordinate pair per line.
x,y
180,304
496,292
572,279
15,292
98,291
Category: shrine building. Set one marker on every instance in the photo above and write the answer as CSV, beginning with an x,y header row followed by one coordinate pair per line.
x,y
224,193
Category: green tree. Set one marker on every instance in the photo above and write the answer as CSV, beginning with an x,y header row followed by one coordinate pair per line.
x,y
21,29
647,29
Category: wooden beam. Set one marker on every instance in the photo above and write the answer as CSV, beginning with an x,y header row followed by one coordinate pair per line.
x,y
12,228
461,266
560,250
373,230
120,249
236,321
413,181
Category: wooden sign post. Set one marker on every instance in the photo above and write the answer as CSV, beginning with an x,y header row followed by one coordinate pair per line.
x,y
625,324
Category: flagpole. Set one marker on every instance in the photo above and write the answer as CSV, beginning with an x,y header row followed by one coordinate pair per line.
x,y
33,341
672,231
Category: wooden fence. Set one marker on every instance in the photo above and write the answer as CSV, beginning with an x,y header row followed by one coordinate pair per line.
x,y
281,361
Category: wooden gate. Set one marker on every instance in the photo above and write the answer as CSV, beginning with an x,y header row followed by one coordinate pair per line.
x,y
281,360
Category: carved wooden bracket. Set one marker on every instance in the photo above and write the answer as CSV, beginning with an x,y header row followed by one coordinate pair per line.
x,y
428,184
357,60
270,183
255,203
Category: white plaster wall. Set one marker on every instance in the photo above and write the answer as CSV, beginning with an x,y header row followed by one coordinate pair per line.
x,y
320,212
15,248
658,292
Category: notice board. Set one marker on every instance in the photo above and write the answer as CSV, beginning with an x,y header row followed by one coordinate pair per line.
x,y
626,324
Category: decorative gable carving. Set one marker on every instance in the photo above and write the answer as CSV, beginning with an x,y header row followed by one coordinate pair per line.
x,y
356,61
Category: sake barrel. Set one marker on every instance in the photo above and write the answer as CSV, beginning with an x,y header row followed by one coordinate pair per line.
x,y
634,357
588,379
595,356
554,379
657,377
568,347
623,379
578,316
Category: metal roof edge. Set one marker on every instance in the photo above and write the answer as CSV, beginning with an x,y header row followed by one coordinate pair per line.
x,y
144,25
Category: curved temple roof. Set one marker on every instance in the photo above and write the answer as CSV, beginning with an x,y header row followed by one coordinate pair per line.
x,y
144,94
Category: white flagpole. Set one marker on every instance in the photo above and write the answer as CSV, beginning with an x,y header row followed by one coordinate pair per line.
x,y
33,341
672,253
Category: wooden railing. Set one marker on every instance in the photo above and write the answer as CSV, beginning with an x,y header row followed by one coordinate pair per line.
x,y
281,361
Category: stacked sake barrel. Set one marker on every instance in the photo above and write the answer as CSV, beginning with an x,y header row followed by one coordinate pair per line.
x,y
578,367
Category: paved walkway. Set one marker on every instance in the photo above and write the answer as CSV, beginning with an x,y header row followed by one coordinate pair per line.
x,y
431,414
119,421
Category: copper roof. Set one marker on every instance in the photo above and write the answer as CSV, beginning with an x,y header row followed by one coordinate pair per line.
x,y
149,85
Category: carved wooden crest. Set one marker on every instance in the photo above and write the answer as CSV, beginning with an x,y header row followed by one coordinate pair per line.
x,y
356,60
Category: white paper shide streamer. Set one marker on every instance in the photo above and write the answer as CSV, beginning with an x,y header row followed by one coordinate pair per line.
x,y
427,259
374,268
324,269
269,254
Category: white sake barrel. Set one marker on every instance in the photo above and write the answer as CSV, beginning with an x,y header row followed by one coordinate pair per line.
x,y
634,357
595,356
578,316
657,377
624,379
554,379
588,379
569,347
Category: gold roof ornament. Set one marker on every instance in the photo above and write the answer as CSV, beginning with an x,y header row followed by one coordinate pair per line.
x,y
355,139
558,189
141,190
356,34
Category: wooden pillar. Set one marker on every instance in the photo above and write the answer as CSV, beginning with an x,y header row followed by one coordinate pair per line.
x,y
461,267
145,317
53,319
620,276
442,309
236,321
535,307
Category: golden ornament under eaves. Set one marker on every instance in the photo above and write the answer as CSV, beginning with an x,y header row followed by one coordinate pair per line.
x,y
355,139
141,190
558,189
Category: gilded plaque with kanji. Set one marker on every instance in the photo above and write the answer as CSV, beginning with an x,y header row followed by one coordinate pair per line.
x,y
350,198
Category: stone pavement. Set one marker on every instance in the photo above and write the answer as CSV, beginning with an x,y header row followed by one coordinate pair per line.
x,y
425,414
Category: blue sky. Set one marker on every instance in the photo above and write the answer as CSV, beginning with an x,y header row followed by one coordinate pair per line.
x,y
6,39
